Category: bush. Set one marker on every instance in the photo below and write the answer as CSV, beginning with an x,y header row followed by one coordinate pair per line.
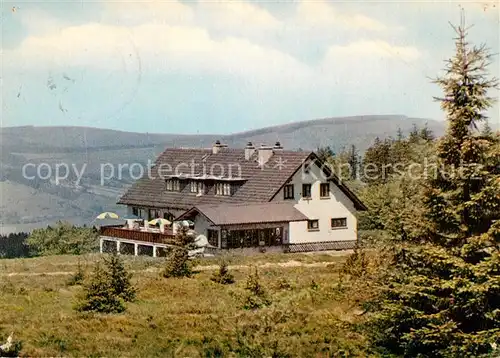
x,y
119,278
283,284
178,260
107,289
63,239
222,275
356,264
177,264
256,295
78,277
14,245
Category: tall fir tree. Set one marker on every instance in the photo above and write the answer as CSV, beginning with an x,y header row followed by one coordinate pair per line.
x,y
443,297
353,161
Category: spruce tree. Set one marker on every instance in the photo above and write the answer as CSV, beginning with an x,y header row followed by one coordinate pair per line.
x,y
119,278
443,298
99,294
177,262
108,287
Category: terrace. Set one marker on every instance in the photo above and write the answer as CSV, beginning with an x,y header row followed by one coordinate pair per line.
x,y
135,241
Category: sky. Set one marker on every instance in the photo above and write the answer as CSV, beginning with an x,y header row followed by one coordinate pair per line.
x,y
228,66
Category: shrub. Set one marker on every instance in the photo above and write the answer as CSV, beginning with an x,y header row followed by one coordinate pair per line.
x,y
107,289
256,295
14,245
78,277
119,278
356,264
63,239
283,284
177,264
222,275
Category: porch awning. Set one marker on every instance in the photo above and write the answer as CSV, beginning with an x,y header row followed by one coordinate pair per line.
x,y
233,214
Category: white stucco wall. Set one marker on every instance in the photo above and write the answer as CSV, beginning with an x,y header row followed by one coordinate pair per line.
x,y
337,205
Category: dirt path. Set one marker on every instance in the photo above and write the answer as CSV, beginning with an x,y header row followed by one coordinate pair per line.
x,y
291,263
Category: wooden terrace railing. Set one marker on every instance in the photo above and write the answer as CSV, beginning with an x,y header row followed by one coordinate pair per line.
x,y
137,235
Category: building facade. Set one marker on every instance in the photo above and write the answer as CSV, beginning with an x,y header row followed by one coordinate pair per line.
x,y
265,198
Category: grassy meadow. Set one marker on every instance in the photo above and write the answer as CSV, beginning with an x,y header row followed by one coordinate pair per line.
x,y
315,310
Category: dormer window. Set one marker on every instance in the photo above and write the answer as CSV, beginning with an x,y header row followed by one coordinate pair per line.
x,y
173,184
197,187
223,189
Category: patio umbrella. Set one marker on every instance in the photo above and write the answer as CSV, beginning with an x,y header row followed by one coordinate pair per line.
x,y
160,221
107,215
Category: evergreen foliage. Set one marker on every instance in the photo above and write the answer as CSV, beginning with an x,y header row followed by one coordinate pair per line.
x,y
119,278
222,275
78,277
63,239
108,288
443,297
177,262
256,296
396,203
14,245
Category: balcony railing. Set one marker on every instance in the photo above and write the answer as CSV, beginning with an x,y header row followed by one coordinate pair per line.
x,y
138,235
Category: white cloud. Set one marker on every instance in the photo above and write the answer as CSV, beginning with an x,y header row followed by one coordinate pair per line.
x,y
159,48
234,14
374,48
140,12
321,13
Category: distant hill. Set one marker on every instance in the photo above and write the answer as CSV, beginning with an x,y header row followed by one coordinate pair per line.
x,y
336,132
26,204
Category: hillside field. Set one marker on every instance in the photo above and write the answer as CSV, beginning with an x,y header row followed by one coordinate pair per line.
x,y
313,313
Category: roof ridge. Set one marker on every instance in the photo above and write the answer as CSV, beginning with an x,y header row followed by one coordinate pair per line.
x,y
247,204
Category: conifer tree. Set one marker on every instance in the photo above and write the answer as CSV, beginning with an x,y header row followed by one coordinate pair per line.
x,y
99,295
443,298
353,161
119,278
177,262
108,287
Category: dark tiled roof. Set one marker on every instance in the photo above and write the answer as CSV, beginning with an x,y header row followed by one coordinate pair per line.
x,y
258,185
233,214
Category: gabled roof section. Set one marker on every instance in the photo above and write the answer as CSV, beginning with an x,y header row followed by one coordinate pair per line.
x,y
254,184
257,213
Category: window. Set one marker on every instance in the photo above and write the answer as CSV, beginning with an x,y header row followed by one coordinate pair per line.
x,y
153,214
168,216
137,212
197,187
223,189
223,239
324,190
252,238
313,225
306,190
288,191
213,237
173,184
339,223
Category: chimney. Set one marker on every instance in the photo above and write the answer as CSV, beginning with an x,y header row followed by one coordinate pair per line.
x,y
265,153
249,150
217,147
277,146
